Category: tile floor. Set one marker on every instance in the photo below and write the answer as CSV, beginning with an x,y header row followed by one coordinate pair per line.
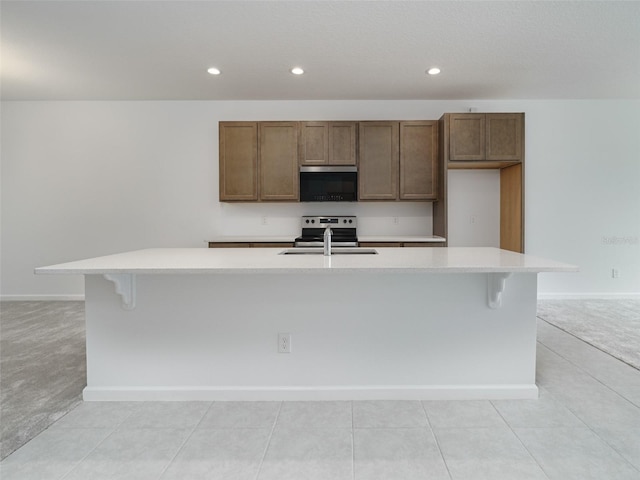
x,y
585,425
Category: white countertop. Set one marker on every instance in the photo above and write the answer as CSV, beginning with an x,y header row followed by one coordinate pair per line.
x,y
269,260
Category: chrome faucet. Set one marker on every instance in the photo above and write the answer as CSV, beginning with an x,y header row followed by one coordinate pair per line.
x,y
327,241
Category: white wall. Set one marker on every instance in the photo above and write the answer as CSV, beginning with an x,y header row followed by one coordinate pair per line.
x,y
81,179
583,192
474,208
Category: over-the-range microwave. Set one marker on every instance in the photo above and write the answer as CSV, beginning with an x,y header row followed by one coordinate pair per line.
x,y
328,184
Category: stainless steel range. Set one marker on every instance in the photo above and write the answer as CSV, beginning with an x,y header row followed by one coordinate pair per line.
x,y
343,231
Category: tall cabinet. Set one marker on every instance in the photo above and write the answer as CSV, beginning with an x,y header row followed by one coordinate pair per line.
x,y
487,140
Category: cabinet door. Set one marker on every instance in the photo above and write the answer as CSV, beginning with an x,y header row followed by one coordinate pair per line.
x,y
467,136
314,143
419,160
273,245
342,143
378,167
238,150
328,143
504,132
278,157
380,244
422,244
229,245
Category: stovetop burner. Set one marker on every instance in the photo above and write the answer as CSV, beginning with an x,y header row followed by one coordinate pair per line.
x,y
343,231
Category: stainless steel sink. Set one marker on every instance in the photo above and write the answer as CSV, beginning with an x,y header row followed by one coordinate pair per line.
x,y
334,251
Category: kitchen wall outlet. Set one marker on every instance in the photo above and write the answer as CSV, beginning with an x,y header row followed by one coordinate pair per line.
x,y
264,221
615,273
396,220
472,219
284,343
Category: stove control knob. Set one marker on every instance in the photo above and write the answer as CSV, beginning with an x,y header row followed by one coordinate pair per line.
x,y
313,221
350,221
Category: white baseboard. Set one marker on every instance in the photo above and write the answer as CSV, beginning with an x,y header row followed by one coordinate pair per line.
x,y
41,298
586,296
541,296
291,393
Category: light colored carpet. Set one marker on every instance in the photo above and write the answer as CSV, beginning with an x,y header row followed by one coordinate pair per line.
x,y
42,367
611,325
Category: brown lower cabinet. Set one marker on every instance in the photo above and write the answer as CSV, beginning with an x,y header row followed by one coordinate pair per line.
x,y
399,244
423,244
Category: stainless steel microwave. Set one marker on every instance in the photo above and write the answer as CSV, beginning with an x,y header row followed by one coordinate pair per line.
x,y
328,184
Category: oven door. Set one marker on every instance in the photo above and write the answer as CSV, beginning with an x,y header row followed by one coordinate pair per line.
x,y
314,237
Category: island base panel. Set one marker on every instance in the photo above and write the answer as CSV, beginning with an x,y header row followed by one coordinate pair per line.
x,y
359,335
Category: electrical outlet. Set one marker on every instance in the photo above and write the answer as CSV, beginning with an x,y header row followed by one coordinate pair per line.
x,y
472,219
615,273
396,220
284,343
264,221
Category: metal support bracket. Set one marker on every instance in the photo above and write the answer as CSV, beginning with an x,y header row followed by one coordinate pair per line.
x,y
125,284
496,283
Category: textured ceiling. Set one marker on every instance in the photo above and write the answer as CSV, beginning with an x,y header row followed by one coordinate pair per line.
x,y
145,50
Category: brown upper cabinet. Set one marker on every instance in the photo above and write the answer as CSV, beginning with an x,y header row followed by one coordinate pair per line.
x,y
278,161
398,160
258,161
419,160
486,137
328,143
379,160
238,142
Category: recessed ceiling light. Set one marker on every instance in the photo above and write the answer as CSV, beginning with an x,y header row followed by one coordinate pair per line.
x,y
433,71
214,71
297,71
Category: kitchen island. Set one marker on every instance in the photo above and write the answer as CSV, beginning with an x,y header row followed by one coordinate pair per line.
x,y
403,323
